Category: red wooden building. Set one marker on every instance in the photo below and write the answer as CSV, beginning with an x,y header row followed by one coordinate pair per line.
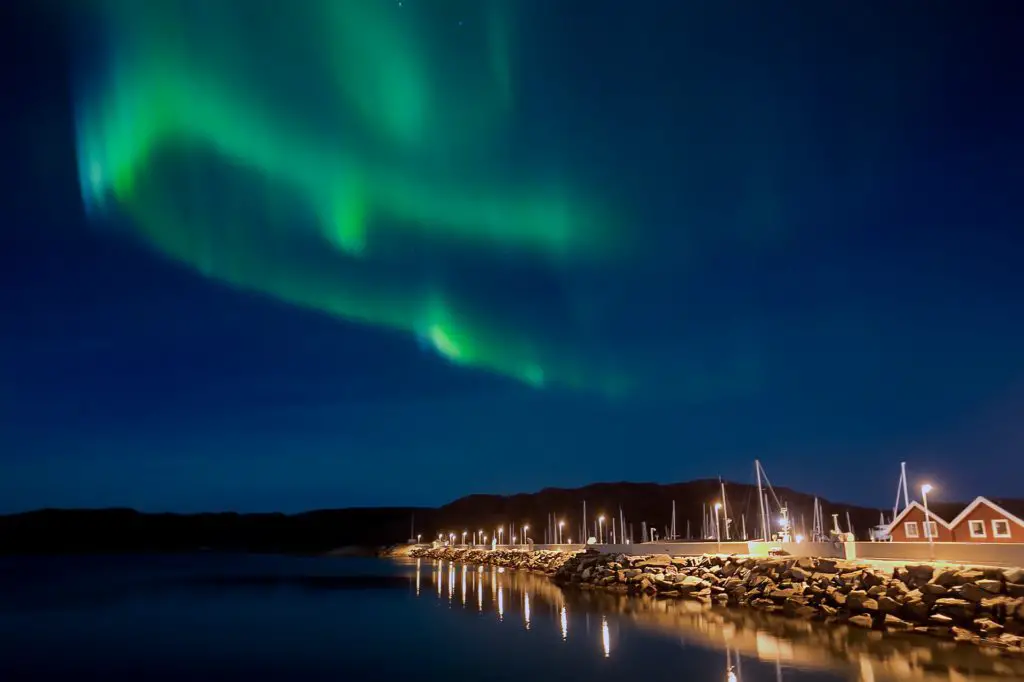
x,y
909,525
985,520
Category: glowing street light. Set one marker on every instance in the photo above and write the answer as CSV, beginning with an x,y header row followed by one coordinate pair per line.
x,y
718,526
525,528
561,525
925,489
600,529
501,532
419,536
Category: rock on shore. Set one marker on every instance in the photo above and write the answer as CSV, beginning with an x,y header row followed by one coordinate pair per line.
x,y
983,606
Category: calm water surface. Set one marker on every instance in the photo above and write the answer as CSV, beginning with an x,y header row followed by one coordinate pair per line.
x,y
232,617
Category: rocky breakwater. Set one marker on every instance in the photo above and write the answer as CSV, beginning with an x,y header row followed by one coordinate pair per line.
x,y
547,562
981,606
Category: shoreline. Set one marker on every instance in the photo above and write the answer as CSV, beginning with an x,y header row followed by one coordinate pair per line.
x,y
979,606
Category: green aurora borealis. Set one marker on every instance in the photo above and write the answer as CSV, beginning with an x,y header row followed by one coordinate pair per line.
x,y
337,178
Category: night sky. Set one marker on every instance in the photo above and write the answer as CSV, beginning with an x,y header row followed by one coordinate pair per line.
x,y
375,253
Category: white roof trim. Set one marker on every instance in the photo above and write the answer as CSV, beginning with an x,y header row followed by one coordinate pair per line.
x,y
932,516
979,500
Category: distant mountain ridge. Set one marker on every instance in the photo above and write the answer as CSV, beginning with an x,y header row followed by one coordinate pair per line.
x,y
127,530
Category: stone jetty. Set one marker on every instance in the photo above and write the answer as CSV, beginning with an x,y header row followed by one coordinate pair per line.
x,y
983,606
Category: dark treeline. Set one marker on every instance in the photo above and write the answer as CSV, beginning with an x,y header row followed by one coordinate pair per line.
x,y
120,530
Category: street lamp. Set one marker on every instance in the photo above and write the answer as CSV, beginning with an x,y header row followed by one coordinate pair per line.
x,y
525,528
419,536
464,534
925,489
600,529
501,532
718,527
561,525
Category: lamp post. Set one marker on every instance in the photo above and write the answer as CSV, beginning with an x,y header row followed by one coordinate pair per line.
x,y
600,529
464,534
718,527
925,489
419,536
525,528
501,533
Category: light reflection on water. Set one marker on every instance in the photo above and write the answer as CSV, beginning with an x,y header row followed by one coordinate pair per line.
x,y
785,644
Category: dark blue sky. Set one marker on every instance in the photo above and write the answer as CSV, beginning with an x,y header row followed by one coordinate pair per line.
x,y
827,275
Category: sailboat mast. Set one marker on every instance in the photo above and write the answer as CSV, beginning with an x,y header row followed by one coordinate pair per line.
x,y
906,495
673,532
760,501
725,508
584,522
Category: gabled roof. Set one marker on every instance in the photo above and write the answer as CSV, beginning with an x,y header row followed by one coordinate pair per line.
x,y
933,516
979,500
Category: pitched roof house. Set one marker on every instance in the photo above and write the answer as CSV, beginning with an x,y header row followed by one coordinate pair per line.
x,y
909,525
985,520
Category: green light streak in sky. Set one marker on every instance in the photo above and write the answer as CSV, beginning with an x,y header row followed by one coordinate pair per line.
x,y
293,152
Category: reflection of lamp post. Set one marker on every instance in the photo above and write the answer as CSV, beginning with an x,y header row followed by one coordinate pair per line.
x,y
925,489
718,527
600,529
561,525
